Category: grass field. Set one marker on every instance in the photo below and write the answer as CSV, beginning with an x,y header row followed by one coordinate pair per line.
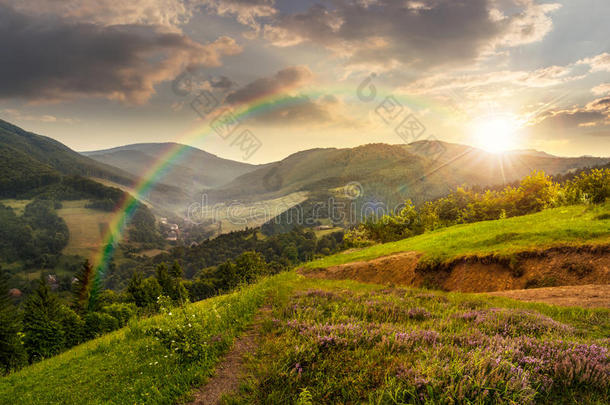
x,y
339,342
139,364
572,225
344,342
18,206
86,227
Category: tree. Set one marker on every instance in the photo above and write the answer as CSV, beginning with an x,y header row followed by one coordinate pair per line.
x,y
12,354
82,288
537,192
226,273
171,282
72,325
42,328
143,292
250,265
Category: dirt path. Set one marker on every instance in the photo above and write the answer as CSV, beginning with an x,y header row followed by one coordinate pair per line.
x,y
229,371
588,296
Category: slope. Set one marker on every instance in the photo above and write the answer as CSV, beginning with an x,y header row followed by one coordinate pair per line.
x,y
195,169
339,341
46,154
573,225
392,173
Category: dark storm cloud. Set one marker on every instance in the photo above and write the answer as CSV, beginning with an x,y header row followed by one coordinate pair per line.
x,y
283,80
50,58
420,33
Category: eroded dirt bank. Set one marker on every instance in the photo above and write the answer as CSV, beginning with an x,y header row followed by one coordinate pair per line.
x,y
559,266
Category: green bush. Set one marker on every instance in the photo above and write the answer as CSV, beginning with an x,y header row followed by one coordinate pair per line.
x,y
593,186
122,312
73,327
98,323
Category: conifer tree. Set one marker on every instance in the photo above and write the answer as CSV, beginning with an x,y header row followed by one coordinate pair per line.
x,y
12,354
82,288
43,334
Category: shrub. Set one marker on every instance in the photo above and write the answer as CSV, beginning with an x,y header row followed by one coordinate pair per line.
x,y
123,312
98,323
593,186
73,327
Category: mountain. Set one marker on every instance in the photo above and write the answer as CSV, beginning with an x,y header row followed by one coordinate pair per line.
x,y
476,166
43,156
30,162
193,170
419,171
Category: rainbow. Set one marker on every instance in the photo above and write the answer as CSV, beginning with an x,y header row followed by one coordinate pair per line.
x,y
265,104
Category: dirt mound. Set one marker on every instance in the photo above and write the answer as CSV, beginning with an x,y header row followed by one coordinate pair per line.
x,y
558,266
395,269
587,296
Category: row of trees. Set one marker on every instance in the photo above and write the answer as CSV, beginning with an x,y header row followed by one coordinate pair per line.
x,y
532,194
45,326
281,250
36,237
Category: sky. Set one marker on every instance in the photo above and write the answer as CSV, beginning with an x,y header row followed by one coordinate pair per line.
x,y
257,80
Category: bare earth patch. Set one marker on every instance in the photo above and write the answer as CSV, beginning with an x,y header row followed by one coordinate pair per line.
x,y
554,267
587,296
229,372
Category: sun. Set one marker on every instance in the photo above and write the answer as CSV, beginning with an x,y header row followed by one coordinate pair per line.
x,y
496,134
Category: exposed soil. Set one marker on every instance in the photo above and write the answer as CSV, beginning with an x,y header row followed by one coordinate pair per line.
x,y
559,266
587,296
230,370
395,269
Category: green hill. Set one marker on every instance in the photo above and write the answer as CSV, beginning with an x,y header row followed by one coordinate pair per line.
x,y
392,173
45,158
31,163
571,225
194,170
338,342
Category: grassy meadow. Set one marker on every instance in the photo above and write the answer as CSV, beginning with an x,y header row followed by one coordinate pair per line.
x,y
340,342
152,361
86,227
572,225
336,342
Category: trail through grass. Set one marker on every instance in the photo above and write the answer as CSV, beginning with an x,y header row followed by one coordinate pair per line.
x,y
344,342
153,361
339,342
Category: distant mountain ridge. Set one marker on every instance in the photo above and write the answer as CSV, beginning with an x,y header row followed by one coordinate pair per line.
x,y
418,171
194,168
54,156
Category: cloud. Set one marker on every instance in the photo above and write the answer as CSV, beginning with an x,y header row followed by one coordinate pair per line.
x,y
50,58
290,107
167,13
386,33
594,114
543,77
529,25
599,63
282,81
247,12
601,89
18,115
